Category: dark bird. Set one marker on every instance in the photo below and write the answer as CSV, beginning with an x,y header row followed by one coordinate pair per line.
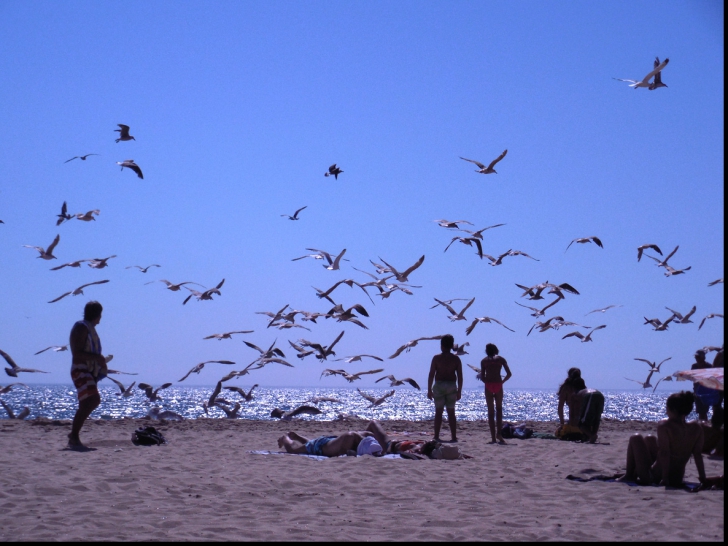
x,y
657,82
247,396
151,392
82,157
295,214
288,415
64,215
394,382
22,415
489,169
642,248
78,290
582,337
14,369
374,400
143,269
591,239
123,131
333,171
198,368
129,164
46,254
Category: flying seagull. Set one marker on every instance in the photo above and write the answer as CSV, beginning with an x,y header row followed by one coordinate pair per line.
x,y
87,217
227,335
151,392
129,164
56,348
333,171
22,415
591,239
603,310
711,315
247,396
657,82
295,214
64,215
374,400
489,169
402,277
394,382
78,290
198,368
645,82
14,369
82,157
143,269
642,248
478,320
123,131
582,337
350,377
46,254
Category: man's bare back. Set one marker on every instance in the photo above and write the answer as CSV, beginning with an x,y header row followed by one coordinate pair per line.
x,y
446,366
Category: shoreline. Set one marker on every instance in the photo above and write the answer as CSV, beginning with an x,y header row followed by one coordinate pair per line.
x,y
204,485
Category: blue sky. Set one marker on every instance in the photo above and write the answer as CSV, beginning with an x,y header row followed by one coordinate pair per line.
x,y
238,108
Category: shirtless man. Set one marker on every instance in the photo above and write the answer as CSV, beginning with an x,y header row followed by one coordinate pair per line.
x,y
662,460
334,446
446,370
88,366
490,368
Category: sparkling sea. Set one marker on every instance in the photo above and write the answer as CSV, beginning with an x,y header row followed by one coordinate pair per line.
x,y
59,402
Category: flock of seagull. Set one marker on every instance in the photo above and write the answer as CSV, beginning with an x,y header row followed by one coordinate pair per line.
x,y
386,281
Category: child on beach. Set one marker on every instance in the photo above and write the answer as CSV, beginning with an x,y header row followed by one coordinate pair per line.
x,y
490,369
662,460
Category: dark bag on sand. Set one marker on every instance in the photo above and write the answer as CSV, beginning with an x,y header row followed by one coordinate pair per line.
x,y
147,436
521,431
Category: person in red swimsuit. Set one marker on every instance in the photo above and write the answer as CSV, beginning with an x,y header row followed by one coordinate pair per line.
x,y
490,369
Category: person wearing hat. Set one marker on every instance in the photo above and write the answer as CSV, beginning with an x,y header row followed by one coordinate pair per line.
x,y
704,396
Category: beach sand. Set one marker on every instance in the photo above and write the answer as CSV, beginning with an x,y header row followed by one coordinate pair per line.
x,y
204,485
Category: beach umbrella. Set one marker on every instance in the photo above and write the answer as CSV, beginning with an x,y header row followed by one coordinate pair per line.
x,y
708,377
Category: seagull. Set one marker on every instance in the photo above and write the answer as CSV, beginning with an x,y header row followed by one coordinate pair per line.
x,y
553,323
227,335
271,352
479,234
341,314
582,337
174,287
123,132
680,318
198,368
247,396
642,248
449,302
143,269
666,378
455,315
663,263
376,401
8,388
478,320
645,82
591,239
459,350
77,263
393,382
318,399
663,326
402,277
78,290
126,392
357,358
56,348
711,315
322,351
64,214
22,415
333,171
717,281
453,224
646,383
87,217
539,312
350,377
100,263
206,295
14,369
230,413
46,254
166,415
81,157
657,82
604,310
672,271
478,372
288,415
653,366
407,346
323,255
349,282
129,164
151,392
489,169
334,265
467,241
295,214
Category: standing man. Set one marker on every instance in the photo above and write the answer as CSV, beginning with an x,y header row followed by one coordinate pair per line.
x,y
704,396
88,366
446,371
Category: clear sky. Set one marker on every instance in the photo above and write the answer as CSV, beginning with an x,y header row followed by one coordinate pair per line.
x,y
238,109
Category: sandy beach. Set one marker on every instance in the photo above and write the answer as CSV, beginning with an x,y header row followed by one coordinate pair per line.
x,y
204,485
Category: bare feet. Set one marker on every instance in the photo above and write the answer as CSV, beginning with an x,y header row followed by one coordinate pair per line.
x,y
501,440
283,440
74,444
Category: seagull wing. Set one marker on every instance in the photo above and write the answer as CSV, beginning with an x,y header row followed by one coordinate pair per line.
x,y
412,268
311,410
60,297
497,159
479,164
367,396
53,244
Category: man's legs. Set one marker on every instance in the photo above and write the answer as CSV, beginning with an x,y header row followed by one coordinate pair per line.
x,y
375,427
453,424
491,416
290,445
438,421
499,416
85,408
297,437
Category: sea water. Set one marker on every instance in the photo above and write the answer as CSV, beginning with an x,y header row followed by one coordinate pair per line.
x,y
60,402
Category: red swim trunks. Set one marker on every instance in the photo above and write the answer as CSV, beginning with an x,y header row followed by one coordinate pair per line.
x,y
85,384
494,388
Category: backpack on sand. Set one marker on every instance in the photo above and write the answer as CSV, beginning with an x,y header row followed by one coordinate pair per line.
x,y
147,436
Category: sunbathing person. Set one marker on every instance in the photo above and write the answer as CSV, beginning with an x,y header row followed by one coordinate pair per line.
x,y
585,408
662,460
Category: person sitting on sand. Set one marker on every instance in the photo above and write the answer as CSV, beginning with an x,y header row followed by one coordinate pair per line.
x,y
585,408
713,443
490,369
446,370
88,366
662,460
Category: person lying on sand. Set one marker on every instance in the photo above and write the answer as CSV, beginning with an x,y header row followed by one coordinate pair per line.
x,y
662,460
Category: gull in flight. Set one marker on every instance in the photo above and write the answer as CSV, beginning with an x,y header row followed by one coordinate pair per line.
x,y
357,358
407,346
467,241
126,392
78,290
478,320
454,314
129,164
77,263
334,265
710,316
100,263
227,335
341,314
642,248
322,351
646,383
680,318
653,366
402,277
349,282
288,415
717,281
539,312
271,352
22,415
64,214
295,214
509,252
660,326
14,369
206,295
333,171
591,239
81,157
174,287
8,388
374,400
88,216
479,234
230,413
323,255
657,82
247,396
350,377
143,269
152,393
123,131
489,169
582,337
449,302
478,372
603,310
318,399
666,378
56,348
198,368
46,254
670,269
554,323
453,223
394,382
534,292
645,82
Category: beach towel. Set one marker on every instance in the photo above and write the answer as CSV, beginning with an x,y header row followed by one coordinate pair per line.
x,y
316,457
691,487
